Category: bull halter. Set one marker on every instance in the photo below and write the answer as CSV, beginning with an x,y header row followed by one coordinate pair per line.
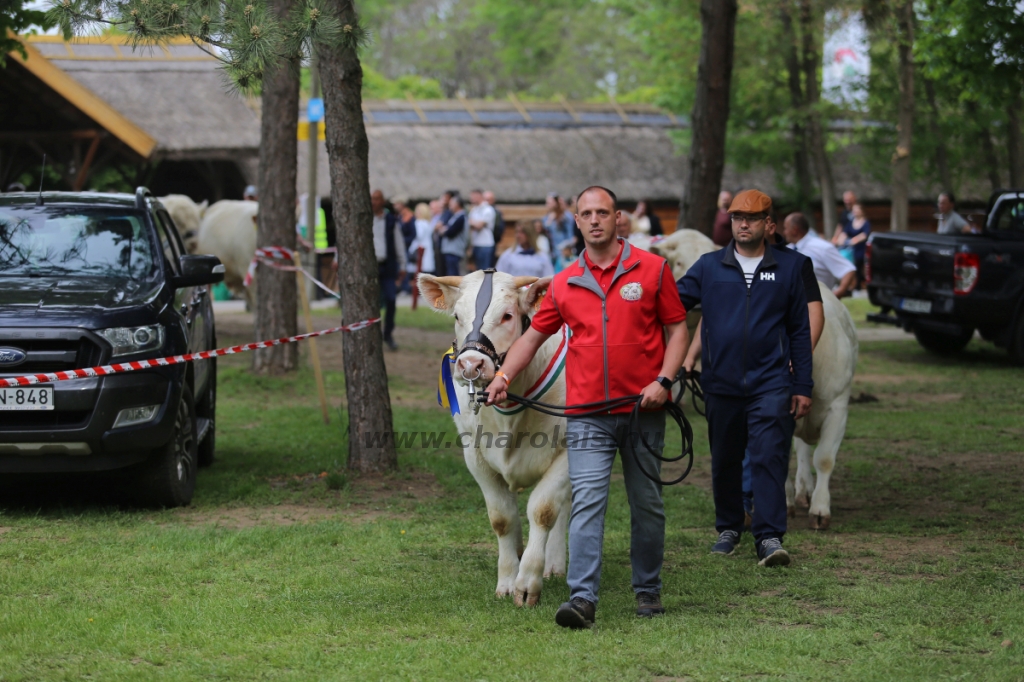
x,y
476,339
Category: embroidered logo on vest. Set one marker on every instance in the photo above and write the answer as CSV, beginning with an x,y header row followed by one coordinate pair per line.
x,y
631,291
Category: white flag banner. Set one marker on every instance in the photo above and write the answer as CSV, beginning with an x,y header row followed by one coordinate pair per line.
x,y
846,62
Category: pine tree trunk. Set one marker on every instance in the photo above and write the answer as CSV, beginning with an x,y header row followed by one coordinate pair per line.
x,y
275,309
900,215
812,62
941,155
988,150
801,157
371,449
710,117
1014,142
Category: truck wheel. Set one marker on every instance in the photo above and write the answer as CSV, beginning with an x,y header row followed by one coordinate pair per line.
x,y
1017,341
207,409
168,478
943,344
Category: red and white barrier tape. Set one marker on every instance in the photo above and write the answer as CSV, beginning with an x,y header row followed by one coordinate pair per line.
x,y
271,255
116,368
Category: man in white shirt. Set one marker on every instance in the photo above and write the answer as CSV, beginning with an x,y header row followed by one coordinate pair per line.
x,y
831,269
481,230
950,222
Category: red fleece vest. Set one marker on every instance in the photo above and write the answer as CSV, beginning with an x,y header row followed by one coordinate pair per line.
x,y
617,345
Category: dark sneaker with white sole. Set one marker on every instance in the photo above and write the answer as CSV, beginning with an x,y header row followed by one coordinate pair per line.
x,y
648,605
575,614
726,544
770,553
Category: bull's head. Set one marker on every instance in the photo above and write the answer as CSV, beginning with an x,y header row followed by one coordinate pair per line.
x,y
682,249
485,327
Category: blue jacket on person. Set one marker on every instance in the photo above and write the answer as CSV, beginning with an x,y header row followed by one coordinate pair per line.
x,y
750,336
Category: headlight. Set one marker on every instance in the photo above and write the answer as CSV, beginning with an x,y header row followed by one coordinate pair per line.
x,y
131,340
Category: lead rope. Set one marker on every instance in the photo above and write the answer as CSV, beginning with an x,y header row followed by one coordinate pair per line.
x,y
603,406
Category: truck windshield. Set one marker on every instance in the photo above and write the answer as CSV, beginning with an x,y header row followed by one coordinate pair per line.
x,y
47,241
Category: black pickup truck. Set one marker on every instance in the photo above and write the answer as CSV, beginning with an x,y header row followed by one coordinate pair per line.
x,y
94,279
944,287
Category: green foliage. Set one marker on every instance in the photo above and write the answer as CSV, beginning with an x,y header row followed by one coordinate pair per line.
x,y
16,18
249,38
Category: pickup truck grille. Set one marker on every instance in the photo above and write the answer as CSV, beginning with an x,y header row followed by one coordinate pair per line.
x,y
50,351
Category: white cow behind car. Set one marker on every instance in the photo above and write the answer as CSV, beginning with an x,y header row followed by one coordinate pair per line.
x,y
835,359
505,466
186,215
228,231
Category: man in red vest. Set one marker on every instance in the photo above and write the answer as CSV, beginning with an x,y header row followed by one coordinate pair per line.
x,y
620,303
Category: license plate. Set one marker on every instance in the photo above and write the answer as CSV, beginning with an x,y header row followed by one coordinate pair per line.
x,y
913,305
28,398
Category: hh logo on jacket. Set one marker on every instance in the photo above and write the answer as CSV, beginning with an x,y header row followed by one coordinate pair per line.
x,y
770,276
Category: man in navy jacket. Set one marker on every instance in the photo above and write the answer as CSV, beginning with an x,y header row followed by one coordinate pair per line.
x,y
756,371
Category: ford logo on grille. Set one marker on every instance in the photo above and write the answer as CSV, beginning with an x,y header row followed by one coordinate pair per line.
x,y
12,357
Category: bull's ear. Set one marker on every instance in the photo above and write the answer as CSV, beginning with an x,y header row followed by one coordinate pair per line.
x,y
441,292
530,300
202,207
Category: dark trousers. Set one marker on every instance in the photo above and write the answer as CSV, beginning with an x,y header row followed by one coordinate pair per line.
x,y
388,291
452,264
763,427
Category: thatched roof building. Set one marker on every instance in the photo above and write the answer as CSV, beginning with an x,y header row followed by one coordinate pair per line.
x,y
166,112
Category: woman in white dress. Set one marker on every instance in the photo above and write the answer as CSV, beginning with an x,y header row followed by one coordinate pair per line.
x,y
424,239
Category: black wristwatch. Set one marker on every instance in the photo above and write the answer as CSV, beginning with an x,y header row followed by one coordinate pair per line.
x,y
666,382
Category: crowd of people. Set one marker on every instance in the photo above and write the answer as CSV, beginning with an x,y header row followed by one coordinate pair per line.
x,y
451,236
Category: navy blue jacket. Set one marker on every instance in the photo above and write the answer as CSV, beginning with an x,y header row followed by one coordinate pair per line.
x,y
749,336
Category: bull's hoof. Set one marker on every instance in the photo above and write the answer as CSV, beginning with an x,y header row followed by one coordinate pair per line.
x,y
791,511
554,572
503,591
525,599
820,521
748,520
803,501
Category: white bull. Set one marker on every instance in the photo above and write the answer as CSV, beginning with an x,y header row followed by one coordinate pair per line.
x,y
228,231
514,460
835,359
186,215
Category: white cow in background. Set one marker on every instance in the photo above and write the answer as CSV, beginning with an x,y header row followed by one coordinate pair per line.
x,y
503,468
186,215
835,359
228,231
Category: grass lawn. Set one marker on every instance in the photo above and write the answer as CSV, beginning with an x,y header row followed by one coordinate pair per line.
x,y
281,572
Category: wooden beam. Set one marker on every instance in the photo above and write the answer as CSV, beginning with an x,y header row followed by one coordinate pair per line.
x,y
85,101
83,172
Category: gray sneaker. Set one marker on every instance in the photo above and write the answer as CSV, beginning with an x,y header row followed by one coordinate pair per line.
x,y
726,544
770,553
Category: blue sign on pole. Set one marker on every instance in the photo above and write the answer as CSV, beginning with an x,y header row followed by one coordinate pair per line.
x,y
315,111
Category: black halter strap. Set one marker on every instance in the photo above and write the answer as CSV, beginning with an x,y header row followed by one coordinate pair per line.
x,y
476,339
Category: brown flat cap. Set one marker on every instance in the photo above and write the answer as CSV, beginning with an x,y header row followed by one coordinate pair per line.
x,y
751,201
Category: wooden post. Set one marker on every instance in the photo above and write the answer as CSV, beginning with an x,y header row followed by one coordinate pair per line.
x,y
312,342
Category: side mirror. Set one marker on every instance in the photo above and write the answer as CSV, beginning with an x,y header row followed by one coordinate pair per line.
x,y
198,270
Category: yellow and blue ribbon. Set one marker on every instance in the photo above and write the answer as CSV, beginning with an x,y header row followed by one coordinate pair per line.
x,y
446,395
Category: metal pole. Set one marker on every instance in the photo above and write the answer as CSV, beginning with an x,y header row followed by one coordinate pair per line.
x,y
312,261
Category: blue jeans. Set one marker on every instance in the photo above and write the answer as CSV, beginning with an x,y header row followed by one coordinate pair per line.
x,y
483,256
763,426
593,442
451,264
